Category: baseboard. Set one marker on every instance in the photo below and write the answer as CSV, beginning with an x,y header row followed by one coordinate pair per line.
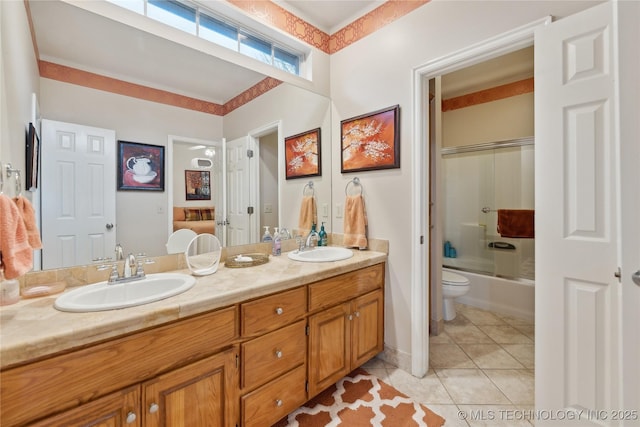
x,y
396,358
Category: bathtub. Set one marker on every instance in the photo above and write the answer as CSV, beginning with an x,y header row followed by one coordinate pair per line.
x,y
513,297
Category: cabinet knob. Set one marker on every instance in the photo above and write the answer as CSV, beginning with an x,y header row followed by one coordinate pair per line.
x,y
153,408
131,417
350,317
278,403
279,354
279,311
357,313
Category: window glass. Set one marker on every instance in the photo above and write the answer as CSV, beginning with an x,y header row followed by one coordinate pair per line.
x,y
173,13
255,48
218,32
135,5
286,61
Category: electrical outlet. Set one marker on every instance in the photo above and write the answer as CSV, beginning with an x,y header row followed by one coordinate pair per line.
x,y
160,209
325,210
339,210
268,208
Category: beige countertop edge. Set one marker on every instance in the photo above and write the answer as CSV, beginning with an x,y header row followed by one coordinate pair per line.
x,y
33,328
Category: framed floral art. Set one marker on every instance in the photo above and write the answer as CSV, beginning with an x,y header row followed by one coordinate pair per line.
x,y
371,141
302,154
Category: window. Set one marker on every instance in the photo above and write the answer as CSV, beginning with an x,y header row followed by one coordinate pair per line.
x,y
192,19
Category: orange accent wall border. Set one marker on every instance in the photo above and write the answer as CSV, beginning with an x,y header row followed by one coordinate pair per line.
x,y
286,21
95,81
372,22
280,18
493,94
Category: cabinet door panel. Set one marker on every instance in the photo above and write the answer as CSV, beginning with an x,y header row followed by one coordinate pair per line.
x,y
368,328
119,409
201,394
329,352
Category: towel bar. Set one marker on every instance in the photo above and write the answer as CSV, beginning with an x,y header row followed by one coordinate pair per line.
x,y
356,182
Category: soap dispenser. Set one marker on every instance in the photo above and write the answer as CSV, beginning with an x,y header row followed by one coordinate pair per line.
x,y
276,249
266,237
322,236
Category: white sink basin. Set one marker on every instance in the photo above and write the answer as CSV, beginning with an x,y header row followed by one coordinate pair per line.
x,y
105,296
322,254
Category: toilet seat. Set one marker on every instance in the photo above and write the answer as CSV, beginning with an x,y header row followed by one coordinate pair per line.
x,y
453,279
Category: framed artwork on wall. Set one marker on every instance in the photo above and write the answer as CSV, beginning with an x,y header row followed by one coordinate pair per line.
x,y
371,141
302,154
140,166
197,185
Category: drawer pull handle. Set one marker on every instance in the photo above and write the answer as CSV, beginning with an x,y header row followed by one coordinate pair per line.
x,y
279,354
153,408
131,417
278,403
279,311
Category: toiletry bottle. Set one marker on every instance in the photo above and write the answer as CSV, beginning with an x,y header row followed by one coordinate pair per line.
x,y
9,290
447,249
276,249
266,237
322,236
312,239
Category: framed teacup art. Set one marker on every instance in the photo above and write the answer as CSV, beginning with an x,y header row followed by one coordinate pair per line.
x,y
140,166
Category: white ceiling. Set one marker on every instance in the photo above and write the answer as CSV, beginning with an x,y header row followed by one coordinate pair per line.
x,y
329,15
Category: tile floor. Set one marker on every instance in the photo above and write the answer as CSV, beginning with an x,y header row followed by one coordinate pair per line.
x,y
481,371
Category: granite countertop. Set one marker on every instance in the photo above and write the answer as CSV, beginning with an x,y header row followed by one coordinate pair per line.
x,y
33,328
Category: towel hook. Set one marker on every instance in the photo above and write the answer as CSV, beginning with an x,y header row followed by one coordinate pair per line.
x,y
356,182
310,186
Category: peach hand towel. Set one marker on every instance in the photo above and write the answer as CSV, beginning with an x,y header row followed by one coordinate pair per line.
x,y
17,254
308,214
355,223
29,217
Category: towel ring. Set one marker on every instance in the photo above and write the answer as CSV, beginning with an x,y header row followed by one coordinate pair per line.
x,y
356,182
310,186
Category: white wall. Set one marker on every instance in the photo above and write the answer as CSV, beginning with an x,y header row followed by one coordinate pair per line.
x,y
376,72
298,110
133,120
19,78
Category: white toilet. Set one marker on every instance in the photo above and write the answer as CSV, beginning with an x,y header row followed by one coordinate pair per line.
x,y
453,286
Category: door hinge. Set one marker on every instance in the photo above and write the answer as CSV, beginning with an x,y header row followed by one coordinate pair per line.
x,y
422,240
237,361
306,386
306,330
250,210
249,153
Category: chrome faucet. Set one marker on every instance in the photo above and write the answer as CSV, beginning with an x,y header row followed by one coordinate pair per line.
x,y
312,239
131,271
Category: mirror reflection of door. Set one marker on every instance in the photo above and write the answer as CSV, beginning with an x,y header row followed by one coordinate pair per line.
x,y
78,194
239,189
189,170
268,197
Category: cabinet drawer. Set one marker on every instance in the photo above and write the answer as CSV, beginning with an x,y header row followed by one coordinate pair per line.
x,y
270,355
344,287
273,401
272,312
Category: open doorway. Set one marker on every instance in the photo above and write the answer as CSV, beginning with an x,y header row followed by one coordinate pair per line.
x,y
423,274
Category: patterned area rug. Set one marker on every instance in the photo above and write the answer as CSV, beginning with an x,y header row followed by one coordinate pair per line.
x,y
360,400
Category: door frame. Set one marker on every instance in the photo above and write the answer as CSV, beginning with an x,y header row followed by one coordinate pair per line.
x,y
504,43
171,139
254,144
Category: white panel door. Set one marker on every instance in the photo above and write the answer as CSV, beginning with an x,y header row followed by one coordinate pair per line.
x,y
78,194
238,192
578,329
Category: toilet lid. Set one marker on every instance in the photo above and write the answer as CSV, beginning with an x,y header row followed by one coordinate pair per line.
x,y
454,279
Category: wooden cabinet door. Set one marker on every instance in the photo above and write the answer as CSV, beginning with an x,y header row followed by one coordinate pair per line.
x,y
367,333
204,393
329,352
119,409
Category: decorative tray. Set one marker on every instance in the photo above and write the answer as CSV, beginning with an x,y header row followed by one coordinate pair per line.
x,y
246,260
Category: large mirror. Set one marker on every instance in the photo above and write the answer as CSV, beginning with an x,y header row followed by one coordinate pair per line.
x,y
73,37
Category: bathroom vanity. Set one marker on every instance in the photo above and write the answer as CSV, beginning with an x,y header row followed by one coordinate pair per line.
x,y
243,347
